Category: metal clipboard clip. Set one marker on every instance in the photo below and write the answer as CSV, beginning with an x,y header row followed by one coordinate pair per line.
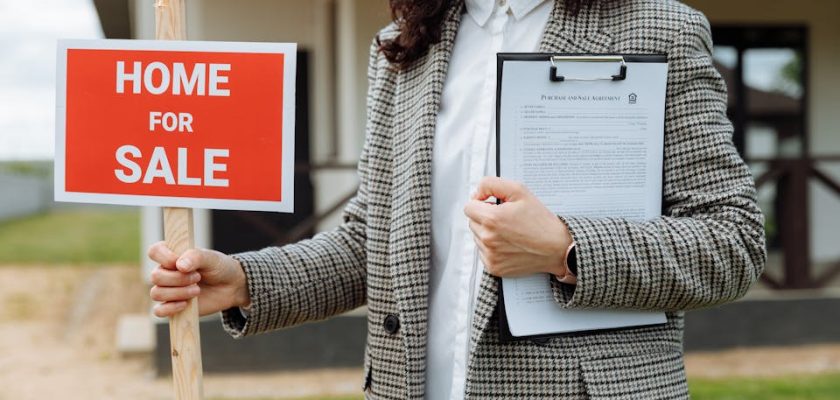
x,y
622,72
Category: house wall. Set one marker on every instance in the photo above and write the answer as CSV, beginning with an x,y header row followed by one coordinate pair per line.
x,y
338,33
821,18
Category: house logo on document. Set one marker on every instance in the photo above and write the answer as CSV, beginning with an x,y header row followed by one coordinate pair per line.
x,y
632,98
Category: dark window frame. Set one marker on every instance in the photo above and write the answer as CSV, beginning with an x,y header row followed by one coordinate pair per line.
x,y
743,37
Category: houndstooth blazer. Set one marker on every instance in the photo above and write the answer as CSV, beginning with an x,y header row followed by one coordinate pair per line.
x,y
707,248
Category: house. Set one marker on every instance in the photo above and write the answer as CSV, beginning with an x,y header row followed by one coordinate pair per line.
x,y
789,133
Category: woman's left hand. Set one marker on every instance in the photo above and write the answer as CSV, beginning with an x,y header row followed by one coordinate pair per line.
x,y
520,236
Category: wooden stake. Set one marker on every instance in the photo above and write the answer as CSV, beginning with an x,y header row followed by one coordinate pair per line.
x,y
170,20
184,335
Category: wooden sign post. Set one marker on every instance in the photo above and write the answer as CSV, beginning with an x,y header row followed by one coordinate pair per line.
x,y
180,125
184,333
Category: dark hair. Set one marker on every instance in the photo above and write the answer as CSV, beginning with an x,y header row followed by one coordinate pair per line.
x,y
419,23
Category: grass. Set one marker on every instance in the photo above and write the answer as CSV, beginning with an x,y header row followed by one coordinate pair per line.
x,y
805,387
41,169
78,236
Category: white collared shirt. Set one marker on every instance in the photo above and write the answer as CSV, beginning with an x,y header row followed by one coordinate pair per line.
x,y
464,152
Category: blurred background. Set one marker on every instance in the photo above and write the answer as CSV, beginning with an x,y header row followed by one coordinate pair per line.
x,y
74,310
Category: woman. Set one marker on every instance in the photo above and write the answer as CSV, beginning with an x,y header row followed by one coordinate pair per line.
x,y
407,246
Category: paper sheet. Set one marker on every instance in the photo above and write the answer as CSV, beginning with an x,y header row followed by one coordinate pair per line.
x,y
584,148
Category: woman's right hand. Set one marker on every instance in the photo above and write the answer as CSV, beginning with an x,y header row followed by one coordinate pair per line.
x,y
216,278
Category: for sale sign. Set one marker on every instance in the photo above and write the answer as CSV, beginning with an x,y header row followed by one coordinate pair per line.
x,y
176,124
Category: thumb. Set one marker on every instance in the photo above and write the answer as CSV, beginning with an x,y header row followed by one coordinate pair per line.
x,y
194,259
502,189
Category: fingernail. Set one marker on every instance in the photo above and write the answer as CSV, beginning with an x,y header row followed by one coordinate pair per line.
x,y
195,277
183,263
194,290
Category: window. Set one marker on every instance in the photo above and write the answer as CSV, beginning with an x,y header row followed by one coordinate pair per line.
x,y
765,71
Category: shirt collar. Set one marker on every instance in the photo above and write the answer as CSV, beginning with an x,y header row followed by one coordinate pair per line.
x,y
481,10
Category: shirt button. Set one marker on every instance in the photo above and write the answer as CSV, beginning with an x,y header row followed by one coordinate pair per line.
x,y
502,2
391,324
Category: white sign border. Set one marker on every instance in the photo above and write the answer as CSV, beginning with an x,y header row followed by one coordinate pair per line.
x,y
286,204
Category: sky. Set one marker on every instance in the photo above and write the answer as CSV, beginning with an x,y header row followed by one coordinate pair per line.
x,y
28,33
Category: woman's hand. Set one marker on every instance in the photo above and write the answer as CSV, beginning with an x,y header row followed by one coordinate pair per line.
x,y
217,279
520,236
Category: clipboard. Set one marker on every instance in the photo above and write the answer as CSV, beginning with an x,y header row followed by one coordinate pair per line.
x,y
555,74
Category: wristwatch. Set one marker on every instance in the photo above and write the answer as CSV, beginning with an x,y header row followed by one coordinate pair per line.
x,y
571,259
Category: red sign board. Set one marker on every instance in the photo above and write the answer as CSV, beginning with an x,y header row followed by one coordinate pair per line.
x,y
179,124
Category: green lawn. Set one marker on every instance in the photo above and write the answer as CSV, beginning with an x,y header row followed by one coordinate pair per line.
x,y
806,387
79,236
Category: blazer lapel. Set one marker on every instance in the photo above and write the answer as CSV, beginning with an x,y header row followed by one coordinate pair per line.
x,y
417,102
563,33
580,33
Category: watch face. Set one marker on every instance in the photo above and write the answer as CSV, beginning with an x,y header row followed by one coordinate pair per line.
x,y
571,260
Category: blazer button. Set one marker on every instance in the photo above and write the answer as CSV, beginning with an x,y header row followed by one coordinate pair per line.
x,y
391,324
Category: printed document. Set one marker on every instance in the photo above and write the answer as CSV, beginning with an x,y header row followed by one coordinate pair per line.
x,y
589,148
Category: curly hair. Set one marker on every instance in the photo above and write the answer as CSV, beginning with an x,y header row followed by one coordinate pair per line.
x,y
419,23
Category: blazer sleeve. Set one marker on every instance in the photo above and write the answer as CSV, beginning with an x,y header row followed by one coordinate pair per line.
x,y
312,279
708,247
